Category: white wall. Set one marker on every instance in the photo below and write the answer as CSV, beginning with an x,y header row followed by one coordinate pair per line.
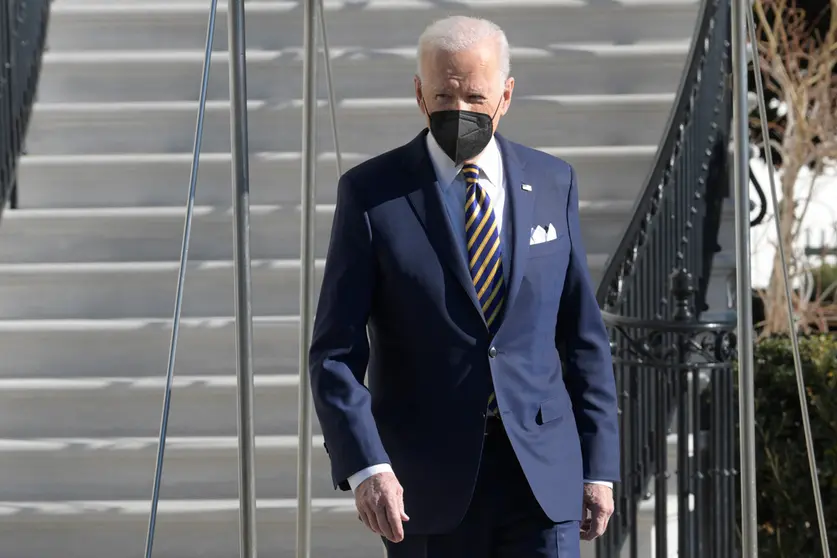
x,y
821,216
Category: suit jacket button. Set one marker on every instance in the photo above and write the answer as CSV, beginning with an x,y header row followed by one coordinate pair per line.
x,y
492,352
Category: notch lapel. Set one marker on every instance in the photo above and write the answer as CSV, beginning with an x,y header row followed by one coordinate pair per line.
x,y
522,206
429,206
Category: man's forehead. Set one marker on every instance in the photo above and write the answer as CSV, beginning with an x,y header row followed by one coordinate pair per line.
x,y
478,77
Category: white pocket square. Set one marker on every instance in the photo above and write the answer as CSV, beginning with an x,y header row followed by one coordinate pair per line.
x,y
539,234
551,233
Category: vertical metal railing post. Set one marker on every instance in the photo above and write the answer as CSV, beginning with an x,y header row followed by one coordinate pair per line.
x,y
306,279
243,302
746,382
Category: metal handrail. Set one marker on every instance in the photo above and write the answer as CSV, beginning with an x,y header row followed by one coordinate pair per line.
x,y
610,285
794,336
242,285
312,9
652,294
23,27
181,278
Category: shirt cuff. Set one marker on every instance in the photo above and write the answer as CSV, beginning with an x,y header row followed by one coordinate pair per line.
x,y
603,483
363,474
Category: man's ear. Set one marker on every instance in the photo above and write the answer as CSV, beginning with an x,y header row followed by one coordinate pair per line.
x,y
508,90
419,94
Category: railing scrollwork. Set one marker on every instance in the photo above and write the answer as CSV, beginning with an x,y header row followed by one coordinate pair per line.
x,y
678,418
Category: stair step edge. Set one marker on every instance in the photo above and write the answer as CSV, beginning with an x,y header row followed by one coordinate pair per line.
x,y
174,444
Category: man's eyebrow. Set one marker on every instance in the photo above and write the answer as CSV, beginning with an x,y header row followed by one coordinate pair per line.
x,y
471,92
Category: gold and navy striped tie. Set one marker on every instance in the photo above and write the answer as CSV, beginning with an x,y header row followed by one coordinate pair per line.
x,y
484,254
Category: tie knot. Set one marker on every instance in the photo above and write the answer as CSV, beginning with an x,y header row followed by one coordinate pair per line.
x,y
471,173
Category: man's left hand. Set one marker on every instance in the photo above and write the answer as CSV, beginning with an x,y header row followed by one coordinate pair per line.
x,y
598,507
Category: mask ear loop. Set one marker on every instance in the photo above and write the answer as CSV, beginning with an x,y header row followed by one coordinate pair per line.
x,y
424,105
496,110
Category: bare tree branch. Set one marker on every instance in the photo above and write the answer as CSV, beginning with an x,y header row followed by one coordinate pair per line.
x,y
798,66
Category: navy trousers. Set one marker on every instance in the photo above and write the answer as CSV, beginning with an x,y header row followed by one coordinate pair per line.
x,y
504,519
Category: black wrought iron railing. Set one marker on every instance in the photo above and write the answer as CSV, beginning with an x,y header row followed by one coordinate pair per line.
x,y
674,373
23,27
761,205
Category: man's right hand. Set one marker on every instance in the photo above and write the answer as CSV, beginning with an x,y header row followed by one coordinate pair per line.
x,y
380,505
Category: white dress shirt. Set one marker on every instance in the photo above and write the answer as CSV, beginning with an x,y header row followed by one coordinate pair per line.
x,y
452,185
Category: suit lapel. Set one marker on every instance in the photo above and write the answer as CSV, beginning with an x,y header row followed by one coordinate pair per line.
x,y
428,205
522,207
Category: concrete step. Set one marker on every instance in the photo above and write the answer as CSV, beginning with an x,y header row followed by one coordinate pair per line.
x,y
122,406
123,468
646,530
151,234
162,179
132,347
371,125
199,528
159,75
155,233
272,25
111,290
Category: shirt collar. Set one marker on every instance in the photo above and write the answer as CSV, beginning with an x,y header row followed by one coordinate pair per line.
x,y
489,161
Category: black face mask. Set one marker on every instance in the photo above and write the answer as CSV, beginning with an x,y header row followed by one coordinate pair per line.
x,y
462,134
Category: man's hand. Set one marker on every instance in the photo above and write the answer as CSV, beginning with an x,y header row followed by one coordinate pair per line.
x,y
380,505
598,507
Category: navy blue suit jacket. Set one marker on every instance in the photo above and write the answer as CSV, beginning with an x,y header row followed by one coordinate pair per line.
x,y
397,301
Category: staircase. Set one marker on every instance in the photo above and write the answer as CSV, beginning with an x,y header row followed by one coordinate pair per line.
x,y
88,263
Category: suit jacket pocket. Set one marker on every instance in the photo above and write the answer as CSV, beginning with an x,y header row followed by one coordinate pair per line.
x,y
550,410
546,248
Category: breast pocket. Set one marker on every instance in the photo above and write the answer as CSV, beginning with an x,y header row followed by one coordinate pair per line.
x,y
545,270
548,248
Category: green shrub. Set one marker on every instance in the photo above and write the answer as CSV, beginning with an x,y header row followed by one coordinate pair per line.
x,y
786,511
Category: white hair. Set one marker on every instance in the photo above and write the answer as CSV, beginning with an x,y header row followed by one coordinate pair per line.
x,y
458,33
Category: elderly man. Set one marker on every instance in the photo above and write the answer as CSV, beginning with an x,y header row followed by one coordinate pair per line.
x,y
456,274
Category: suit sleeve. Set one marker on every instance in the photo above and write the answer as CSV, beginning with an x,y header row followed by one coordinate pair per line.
x,y
583,342
339,350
